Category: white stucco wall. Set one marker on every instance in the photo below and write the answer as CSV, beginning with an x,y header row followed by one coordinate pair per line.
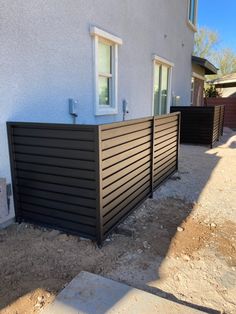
x,y
46,57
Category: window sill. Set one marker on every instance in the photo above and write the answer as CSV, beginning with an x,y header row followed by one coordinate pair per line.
x,y
106,111
192,26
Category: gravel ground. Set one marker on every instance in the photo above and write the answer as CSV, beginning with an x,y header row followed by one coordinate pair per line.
x,y
181,245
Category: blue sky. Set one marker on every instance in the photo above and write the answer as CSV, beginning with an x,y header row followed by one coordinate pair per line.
x,y
220,16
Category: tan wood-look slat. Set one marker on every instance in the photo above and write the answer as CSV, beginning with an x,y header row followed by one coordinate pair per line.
x,y
123,172
126,129
58,143
165,149
125,147
164,144
52,133
114,125
161,178
166,132
123,180
125,163
165,156
126,186
166,137
125,138
166,120
162,168
166,126
140,196
122,156
109,214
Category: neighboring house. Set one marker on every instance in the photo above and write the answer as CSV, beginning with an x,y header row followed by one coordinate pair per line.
x,y
200,68
226,85
96,52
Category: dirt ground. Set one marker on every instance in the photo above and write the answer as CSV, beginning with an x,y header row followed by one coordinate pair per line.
x,y
181,245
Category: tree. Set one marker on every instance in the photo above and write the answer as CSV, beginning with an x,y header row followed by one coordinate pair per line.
x,y
206,42
226,61
206,46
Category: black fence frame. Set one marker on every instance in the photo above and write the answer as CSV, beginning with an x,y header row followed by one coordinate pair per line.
x,y
86,179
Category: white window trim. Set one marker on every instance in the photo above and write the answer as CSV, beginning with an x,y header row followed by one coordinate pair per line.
x,y
159,60
189,23
115,41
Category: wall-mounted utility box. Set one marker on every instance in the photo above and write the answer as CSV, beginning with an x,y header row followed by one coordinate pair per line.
x,y
3,198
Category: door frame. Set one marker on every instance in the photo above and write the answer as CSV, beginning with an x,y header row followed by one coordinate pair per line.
x,y
162,61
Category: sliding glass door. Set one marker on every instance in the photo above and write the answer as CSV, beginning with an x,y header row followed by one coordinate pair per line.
x,y
161,88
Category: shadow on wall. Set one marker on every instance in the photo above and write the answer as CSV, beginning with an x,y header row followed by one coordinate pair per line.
x,y
119,260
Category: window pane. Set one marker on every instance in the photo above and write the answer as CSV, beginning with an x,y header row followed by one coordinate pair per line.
x,y
156,88
192,11
104,58
164,89
104,91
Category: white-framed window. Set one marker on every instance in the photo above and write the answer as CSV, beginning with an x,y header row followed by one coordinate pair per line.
x,y
192,13
162,77
105,71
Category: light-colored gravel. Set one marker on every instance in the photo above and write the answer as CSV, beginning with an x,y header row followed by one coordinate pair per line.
x,y
208,177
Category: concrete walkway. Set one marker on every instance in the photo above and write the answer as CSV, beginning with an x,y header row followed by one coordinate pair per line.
x,y
93,294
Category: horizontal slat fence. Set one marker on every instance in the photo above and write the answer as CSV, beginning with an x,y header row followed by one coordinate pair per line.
x,y
86,179
54,175
230,109
200,125
126,168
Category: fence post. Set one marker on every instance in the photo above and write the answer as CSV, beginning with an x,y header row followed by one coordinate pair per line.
x,y
152,156
219,127
99,203
223,120
178,141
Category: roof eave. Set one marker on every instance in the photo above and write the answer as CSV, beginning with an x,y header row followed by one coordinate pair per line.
x,y
209,68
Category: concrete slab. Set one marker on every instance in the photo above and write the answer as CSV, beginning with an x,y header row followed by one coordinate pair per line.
x,y
93,294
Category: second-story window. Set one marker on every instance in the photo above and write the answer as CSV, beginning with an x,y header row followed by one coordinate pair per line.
x,y
192,12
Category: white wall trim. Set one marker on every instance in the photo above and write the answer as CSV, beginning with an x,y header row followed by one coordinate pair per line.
x,y
162,60
95,31
198,76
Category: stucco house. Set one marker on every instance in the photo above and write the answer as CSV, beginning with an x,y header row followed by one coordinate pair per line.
x,y
95,53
